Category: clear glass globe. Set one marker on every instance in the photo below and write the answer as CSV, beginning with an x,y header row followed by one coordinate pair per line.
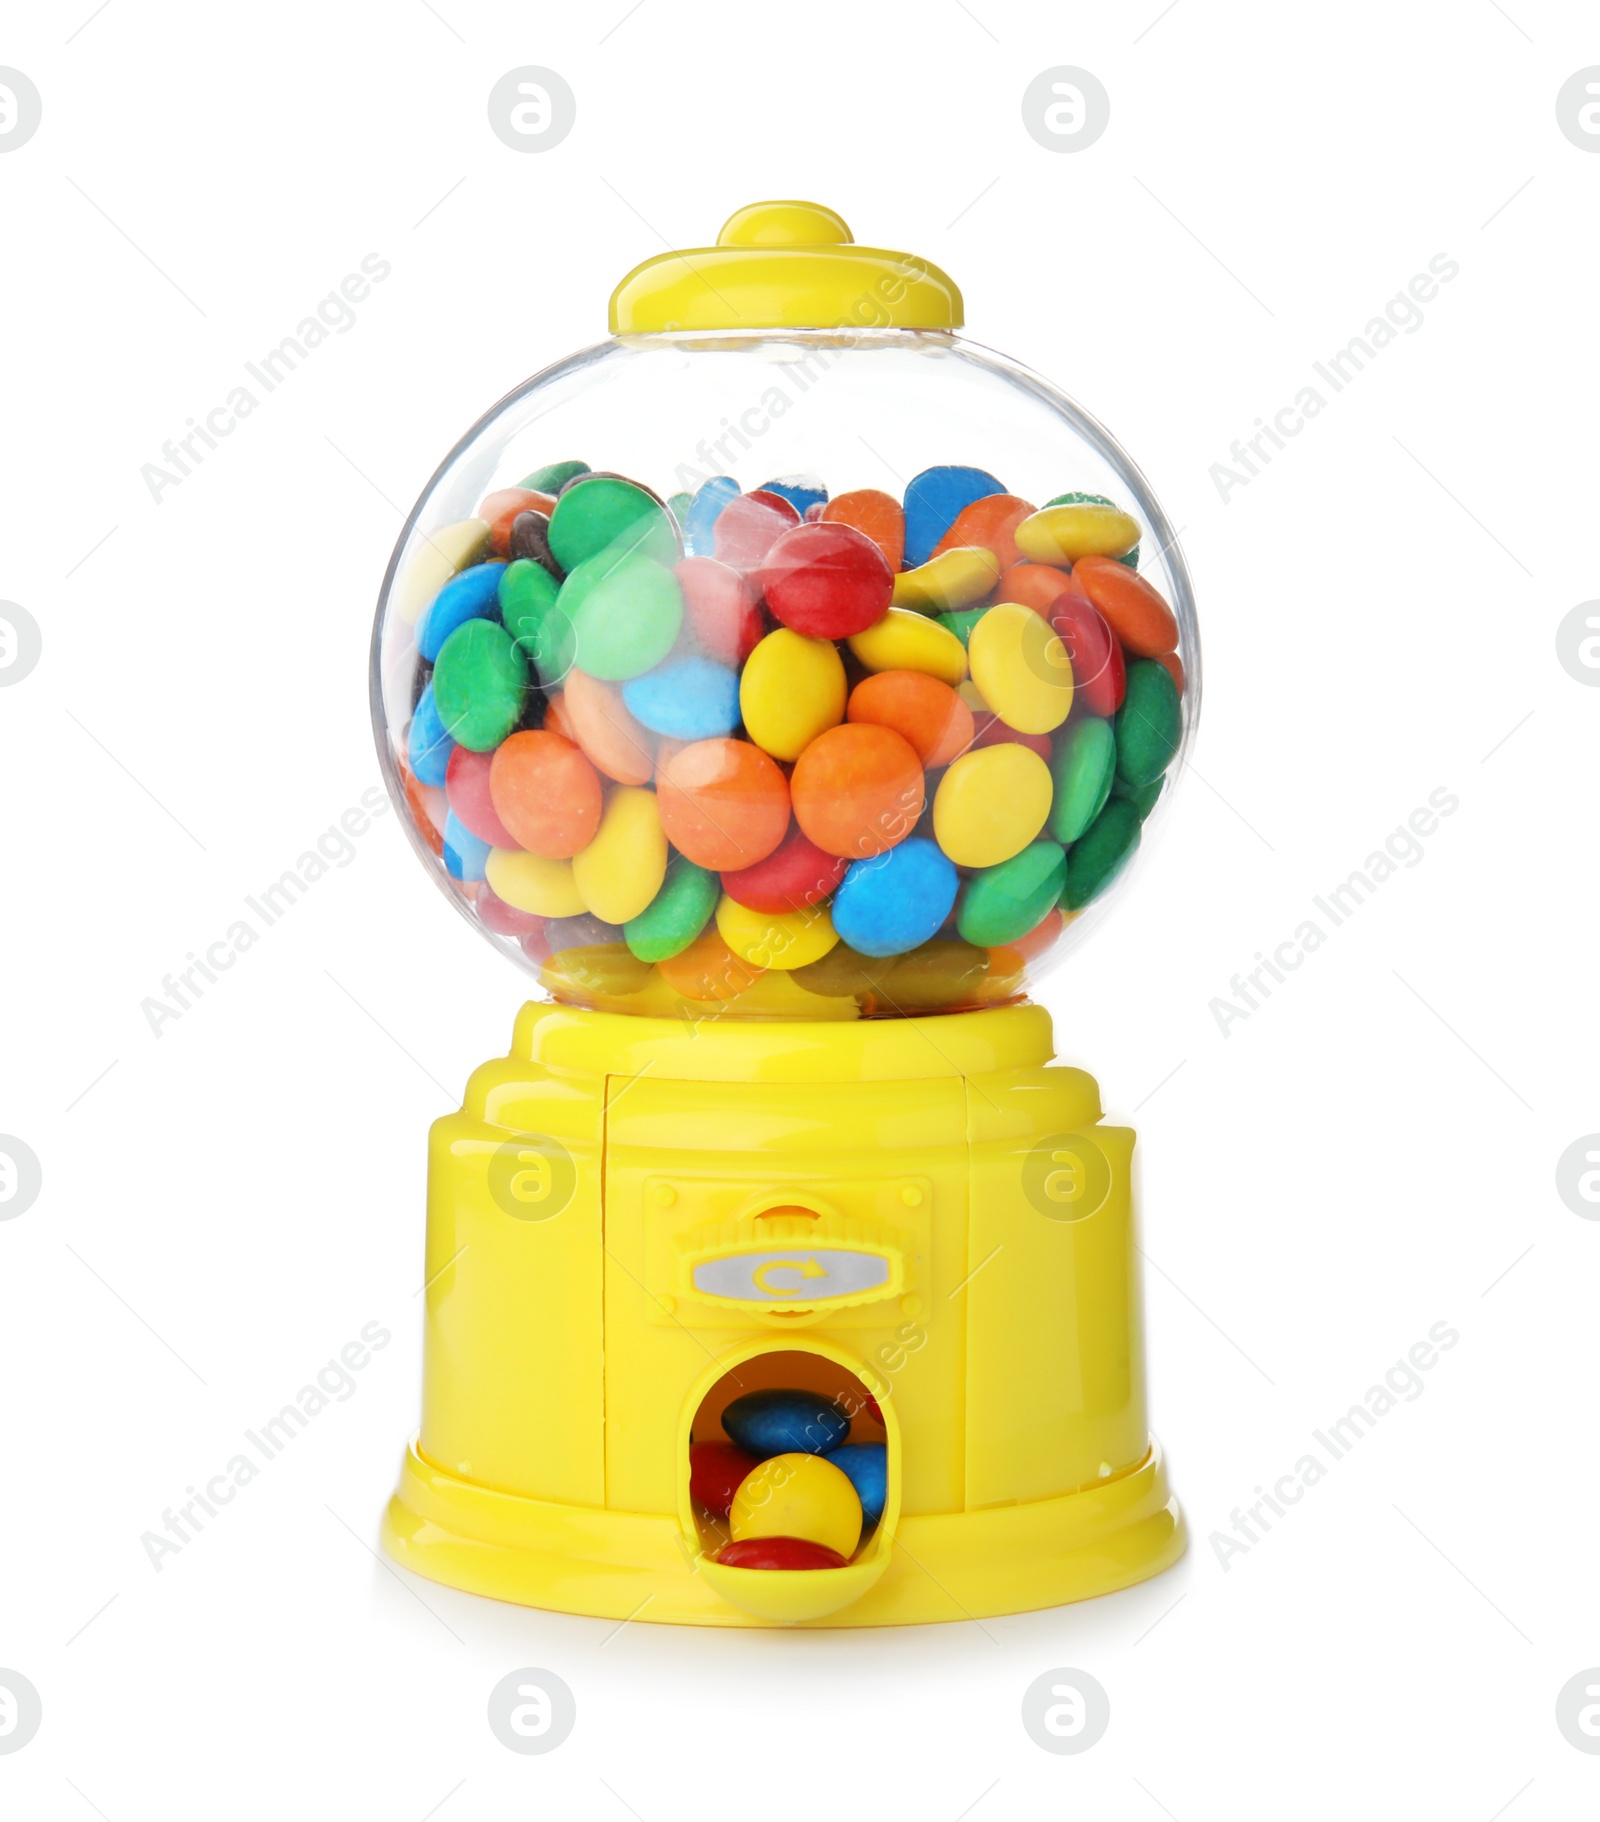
x,y
784,674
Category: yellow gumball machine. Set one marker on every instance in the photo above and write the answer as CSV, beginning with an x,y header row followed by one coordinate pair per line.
x,y
786,683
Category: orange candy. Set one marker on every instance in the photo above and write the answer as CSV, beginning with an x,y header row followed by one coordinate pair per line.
x,y
989,522
1034,585
596,718
857,789
878,515
546,793
919,708
502,507
1135,612
708,970
417,795
724,803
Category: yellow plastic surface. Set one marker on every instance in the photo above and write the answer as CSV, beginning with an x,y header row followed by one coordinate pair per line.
x,y
784,265
632,1219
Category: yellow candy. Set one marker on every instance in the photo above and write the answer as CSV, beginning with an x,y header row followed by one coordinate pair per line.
x,y
621,870
441,555
1062,534
791,690
1022,668
907,641
798,1496
956,579
991,803
775,939
531,883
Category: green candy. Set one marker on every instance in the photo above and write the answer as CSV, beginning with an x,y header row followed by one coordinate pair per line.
x,y
606,513
678,505
528,597
1130,557
1148,724
999,904
1143,800
961,622
625,612
479,684
1096,858
553,476
676,915
1082,772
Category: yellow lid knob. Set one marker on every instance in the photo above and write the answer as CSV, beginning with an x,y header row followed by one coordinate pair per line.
x,y
784,265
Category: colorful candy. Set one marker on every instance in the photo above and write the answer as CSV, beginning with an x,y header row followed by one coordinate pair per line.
x,y
826,581
780,1420
1002,903
878,516
775,939
625,613
857,789
921,709
600,514
715,1470
907,641
798,1495
990,804
1064,534
954,579
724,803
621,869
1098,855
779,1553
793,689
1132,608
689,698
934,500
795,874
896,900
479,684
1022,668
1149,724
676,915
852,748
866,1464
1084,765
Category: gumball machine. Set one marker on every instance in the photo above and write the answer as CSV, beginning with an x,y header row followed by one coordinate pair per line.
x,y
786,684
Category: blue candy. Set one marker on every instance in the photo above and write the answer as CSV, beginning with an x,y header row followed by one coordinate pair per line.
x,y
473,595
896,900
800,490
428,745
867,1466
464,854
704,510
686,698
933,499
777,1422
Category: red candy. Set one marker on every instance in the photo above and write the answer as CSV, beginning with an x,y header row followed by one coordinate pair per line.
x,y
715,1470
779,1553
749,526
797,873
721,615
466,786
1099,671
826,581
502,507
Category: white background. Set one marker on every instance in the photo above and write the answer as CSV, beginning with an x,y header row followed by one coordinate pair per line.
x,y
1371,1152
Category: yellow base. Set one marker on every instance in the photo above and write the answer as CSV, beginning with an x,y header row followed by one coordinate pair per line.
x,y
636,1565
633,1220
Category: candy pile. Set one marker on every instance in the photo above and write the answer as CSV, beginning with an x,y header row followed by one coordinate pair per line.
x,y
794,1493
887,748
